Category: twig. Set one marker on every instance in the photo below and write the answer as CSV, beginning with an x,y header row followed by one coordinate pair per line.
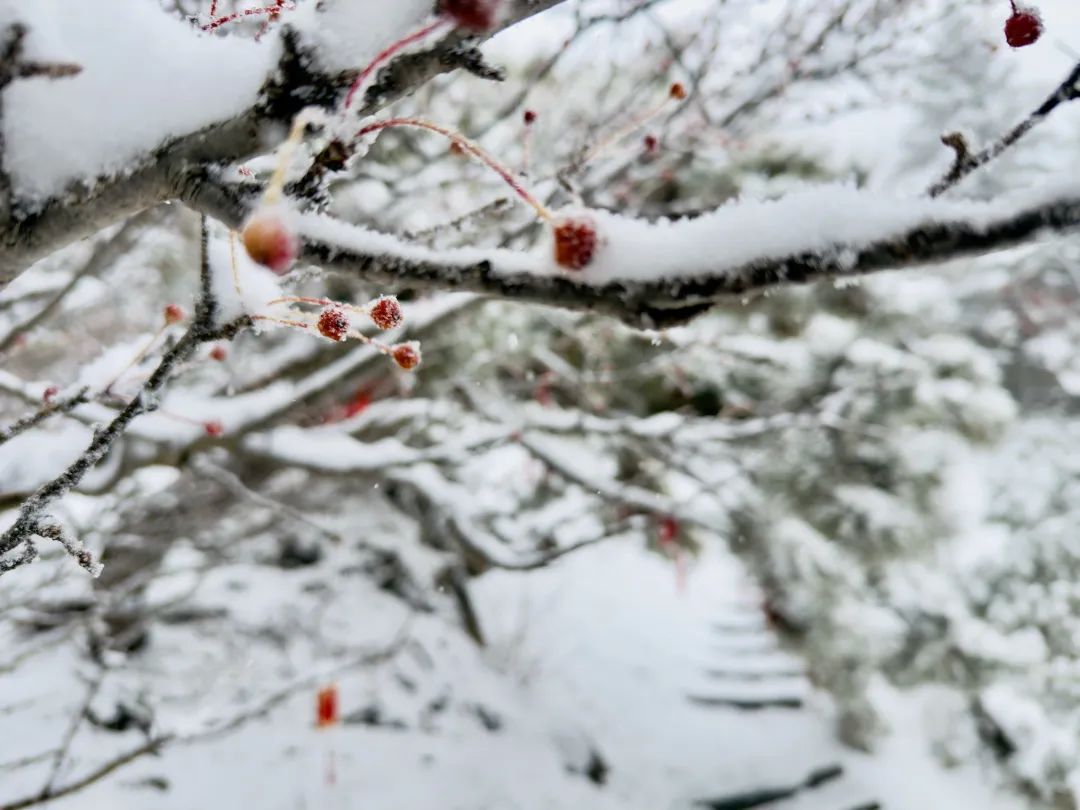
x,y
24,424
257,710
32,518
966,163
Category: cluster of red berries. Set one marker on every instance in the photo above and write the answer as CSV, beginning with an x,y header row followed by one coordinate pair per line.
x,y
1024,26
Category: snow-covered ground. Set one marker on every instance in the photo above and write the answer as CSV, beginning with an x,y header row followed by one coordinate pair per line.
x,y
603,664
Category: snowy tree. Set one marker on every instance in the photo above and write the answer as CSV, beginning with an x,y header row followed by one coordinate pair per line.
x,y
274,381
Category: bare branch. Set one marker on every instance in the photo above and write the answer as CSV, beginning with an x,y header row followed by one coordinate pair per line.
x,y
965,163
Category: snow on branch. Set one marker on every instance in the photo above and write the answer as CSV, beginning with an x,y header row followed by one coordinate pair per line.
x,y
83,153
658,274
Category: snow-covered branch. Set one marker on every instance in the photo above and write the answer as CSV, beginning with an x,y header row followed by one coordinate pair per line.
x,y
221,98
659,274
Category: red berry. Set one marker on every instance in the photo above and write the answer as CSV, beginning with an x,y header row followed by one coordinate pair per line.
x,y
677,91
476,15
1023,28
218,353
174,314
334,323
651,143
530,117
49,393
406,355
214,428
326,706
575,243
386,313
668,530
269,241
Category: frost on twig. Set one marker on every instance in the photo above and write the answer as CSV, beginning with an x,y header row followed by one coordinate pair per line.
x,y
31,518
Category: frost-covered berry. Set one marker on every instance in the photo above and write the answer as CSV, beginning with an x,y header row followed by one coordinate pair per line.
x,y
214,428
386,313
49,394
406,355
333,323
476,15
677,91
269,241
529,117
174,314
218,353
576,241
1024,27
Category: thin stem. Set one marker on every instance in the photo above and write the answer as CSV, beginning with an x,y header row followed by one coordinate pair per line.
x,y
388,52
633,126
473,149
277,179
214,24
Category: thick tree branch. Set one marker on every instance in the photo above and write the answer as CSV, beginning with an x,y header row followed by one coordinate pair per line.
x,y
182,167
675,298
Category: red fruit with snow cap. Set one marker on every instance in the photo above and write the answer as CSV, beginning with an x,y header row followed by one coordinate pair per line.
x,y
476,15
174,314
386,313
1024,27
576,242
334,324
269,241
406,355
214,428
218,353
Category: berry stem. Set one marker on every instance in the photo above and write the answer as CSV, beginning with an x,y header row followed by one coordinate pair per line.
x,y
214,24
473,149
235,269
635,124
277,181
388,52
145,350
318,302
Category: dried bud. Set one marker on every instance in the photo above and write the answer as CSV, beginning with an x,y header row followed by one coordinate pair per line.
x,y
406,355
174,314
214,428
333,323
575,242
386,313
269,241
49,394
677,91
479,16
218,353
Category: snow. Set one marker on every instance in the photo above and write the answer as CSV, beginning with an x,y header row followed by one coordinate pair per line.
x,y
146,76
742,233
